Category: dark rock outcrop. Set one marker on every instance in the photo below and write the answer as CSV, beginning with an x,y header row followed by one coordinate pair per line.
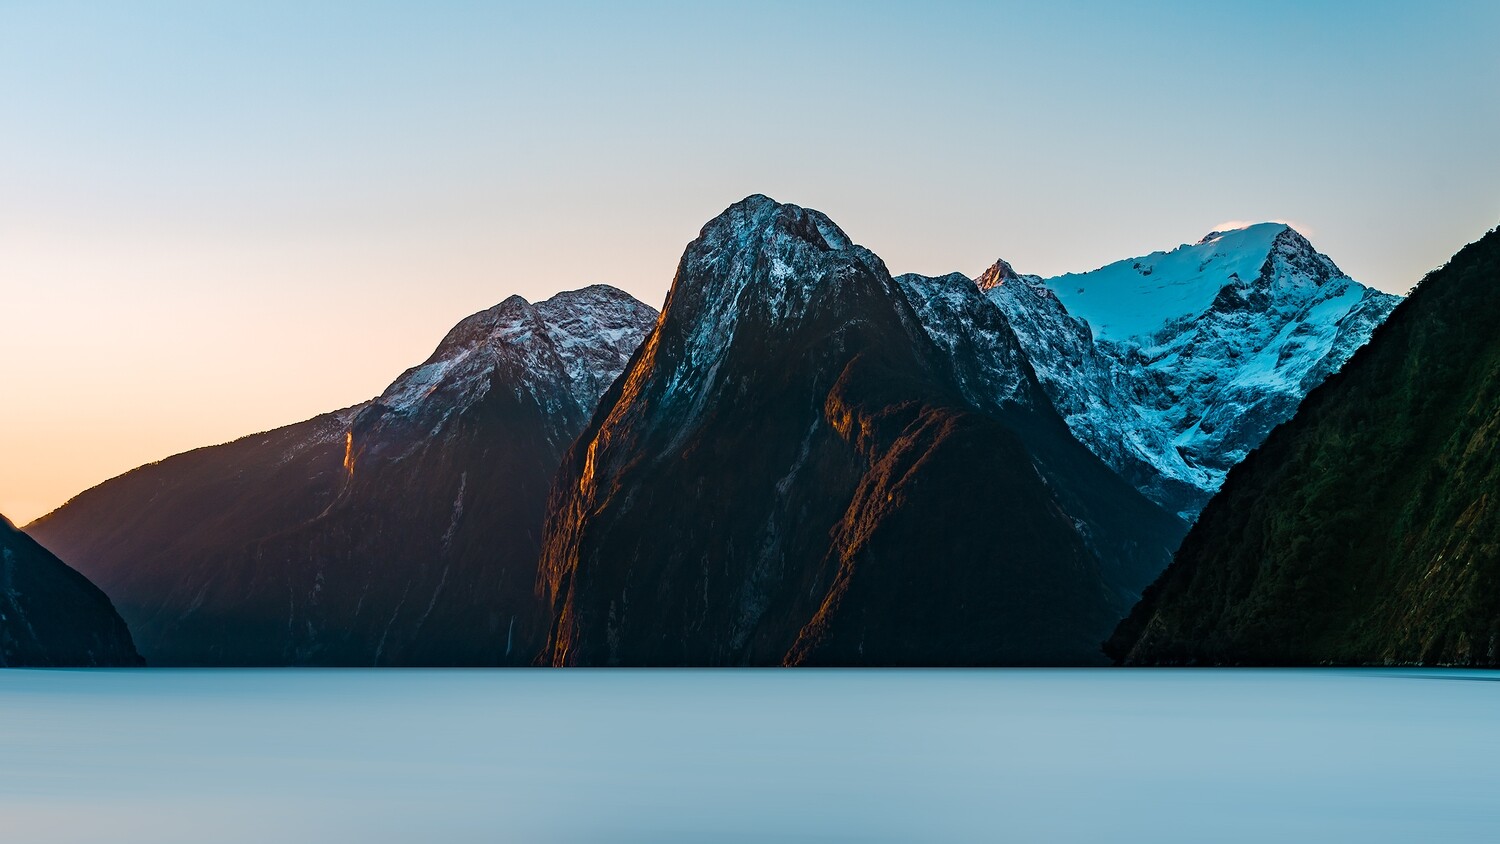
x,y
52,616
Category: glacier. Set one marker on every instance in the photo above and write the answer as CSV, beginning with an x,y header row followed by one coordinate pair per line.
x,y
1173,366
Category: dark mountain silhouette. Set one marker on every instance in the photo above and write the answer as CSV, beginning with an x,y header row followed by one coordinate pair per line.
x,y
50,615
798,467
403,531
1367,529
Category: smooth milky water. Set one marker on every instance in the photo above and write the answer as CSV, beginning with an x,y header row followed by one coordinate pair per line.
x,y
709,756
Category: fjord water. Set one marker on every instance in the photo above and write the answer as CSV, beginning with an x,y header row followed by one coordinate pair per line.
x,y
585,756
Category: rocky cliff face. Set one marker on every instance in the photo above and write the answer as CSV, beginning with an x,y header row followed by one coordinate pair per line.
x,y
982,352
1365,530
1173,366
403,531
50,615
794,470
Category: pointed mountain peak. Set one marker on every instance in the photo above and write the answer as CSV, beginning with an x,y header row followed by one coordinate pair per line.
x,y
1136,297
1274,243
1290,236
998,273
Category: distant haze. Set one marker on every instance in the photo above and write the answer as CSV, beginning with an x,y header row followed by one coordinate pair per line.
x,y
215,220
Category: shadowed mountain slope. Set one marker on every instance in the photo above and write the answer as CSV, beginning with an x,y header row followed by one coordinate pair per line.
x,y
50,615
403,531
794,470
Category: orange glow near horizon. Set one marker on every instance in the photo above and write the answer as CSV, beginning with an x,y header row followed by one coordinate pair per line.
x,y
148,344
240,216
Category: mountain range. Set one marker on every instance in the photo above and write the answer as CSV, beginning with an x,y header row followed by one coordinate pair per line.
x,y
1175,365
1366,531
404,530
801,460
791,471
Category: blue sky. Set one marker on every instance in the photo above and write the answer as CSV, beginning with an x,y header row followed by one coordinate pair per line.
x,y
216,218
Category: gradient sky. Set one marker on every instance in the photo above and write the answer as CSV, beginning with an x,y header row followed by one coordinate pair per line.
x,y
216,219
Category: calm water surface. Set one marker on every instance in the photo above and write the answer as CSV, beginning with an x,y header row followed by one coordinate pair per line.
x,y
637,756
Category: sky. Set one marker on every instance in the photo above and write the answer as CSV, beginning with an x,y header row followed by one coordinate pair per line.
x,y
220,218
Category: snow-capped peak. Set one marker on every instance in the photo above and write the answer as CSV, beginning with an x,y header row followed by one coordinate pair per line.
x,y
757,242
1135,298
1173,365
580,338
998,273
759,262
1256,229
